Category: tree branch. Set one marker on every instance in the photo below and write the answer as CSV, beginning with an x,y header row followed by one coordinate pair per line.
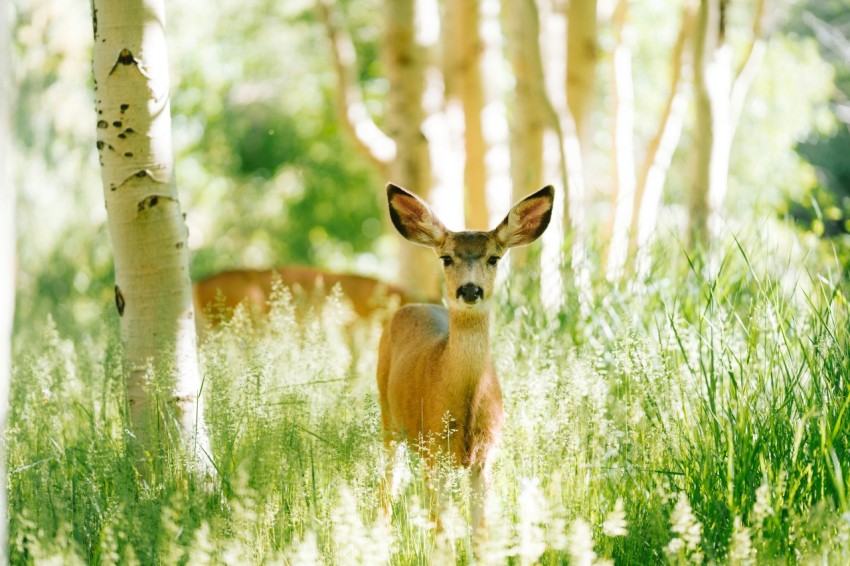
x,y
750,64
368,138
662,145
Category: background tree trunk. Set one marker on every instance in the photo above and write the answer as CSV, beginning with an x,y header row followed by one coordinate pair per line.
x,y
146,225
623,147
411,168
463,48
582,56
720,94
712,82
522,31
659,154
7,263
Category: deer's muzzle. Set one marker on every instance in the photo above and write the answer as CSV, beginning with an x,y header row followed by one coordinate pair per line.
x,y
470,293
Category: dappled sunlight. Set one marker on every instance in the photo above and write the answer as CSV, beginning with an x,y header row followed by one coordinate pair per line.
x,y
664,366
604,455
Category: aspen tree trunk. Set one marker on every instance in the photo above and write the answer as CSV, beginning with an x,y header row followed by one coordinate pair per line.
x,y
463,49
582,56
659,154
7,265
146,225
720,94
623,148
522,29
411,168
712,81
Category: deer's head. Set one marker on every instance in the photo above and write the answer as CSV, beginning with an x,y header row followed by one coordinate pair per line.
x,y
470,257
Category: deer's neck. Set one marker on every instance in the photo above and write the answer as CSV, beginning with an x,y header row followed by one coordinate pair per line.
x,y
468,346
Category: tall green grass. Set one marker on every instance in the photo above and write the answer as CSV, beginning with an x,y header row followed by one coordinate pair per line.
x,y
695,419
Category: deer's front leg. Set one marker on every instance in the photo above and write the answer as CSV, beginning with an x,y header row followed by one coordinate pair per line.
x,y
479,481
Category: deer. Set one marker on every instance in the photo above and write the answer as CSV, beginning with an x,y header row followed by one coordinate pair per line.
x,y
434,365
368,296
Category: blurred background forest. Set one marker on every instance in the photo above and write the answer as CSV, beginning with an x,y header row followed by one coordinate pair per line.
x,y
268,174
693,381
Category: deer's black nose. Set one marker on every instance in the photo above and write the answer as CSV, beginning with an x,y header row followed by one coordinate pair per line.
x,y
470,293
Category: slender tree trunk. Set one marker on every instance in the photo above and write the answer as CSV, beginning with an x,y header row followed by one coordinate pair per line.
x,y
7,264
582,56
463,48
411,168
623,148
146,225
659,154
529,111
712,80
720,94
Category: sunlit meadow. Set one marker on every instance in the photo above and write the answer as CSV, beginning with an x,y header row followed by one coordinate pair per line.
x,y
695,419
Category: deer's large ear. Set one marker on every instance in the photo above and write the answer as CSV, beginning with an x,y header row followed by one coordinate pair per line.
x,y
527,220
413,219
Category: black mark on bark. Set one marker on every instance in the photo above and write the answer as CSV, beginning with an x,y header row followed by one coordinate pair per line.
x,y
124,107
102,125
151,201
128,154
126,58
117,123
119,301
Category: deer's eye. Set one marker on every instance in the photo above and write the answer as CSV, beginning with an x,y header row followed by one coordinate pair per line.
x,y
447,260
493,259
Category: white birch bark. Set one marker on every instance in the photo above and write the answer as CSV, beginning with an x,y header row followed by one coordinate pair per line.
x,y
146,224
720,94
659,154
535,113
411,168
7,264
623,148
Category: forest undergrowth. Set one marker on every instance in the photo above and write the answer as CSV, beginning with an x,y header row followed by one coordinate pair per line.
x,y
693,419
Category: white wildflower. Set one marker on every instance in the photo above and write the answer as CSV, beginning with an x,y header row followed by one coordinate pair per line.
x,y
762,508
352,540
581,544
454,527
685,546
741,551
495,547
418,516
400,472
306,552
531,536
615,524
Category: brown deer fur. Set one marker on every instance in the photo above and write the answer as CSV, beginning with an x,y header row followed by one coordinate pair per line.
x,y
434,361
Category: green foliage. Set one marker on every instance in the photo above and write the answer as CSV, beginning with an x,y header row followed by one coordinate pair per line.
x,y
698,418
824,207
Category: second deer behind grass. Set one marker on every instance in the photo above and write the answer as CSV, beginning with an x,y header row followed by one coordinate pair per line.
x,y
435,361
